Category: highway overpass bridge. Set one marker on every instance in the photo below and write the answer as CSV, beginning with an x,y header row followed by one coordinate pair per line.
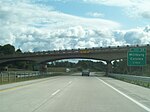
x,y
106,54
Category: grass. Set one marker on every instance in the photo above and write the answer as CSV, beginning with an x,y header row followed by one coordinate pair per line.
x,y
136,82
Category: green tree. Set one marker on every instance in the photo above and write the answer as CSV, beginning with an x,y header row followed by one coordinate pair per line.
x,y
18,51
120,66
8,49
1,50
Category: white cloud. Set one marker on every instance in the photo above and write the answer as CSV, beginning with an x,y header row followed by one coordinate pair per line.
x,y
133,8
86,38
111,2
95,14
137,36
34,28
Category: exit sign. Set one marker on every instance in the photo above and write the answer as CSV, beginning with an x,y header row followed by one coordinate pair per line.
x,y
136,57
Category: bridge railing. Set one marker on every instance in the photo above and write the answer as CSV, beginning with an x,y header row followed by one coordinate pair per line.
x,y
139,80
88,50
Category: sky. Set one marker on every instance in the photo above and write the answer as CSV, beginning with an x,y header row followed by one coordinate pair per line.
x,y
41,25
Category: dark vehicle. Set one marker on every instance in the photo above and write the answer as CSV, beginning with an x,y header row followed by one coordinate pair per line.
x,y
85,73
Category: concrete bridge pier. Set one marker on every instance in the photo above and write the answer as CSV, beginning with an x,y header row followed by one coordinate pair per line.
x,y
108,67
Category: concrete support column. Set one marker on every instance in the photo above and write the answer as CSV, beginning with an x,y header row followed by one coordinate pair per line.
x,y
108,68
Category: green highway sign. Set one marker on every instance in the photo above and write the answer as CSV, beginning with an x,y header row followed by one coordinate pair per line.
x,y
136,57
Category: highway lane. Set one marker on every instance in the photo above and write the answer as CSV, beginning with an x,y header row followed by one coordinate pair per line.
x,y
74,94
25,98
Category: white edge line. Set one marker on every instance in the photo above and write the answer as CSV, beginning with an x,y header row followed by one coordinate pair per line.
x,y
131,99
55,92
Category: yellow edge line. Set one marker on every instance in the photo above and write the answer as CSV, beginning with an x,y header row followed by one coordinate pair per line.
x,y
20,86
16,87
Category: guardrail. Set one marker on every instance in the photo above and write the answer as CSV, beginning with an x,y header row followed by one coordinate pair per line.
x,y
9,77
138,80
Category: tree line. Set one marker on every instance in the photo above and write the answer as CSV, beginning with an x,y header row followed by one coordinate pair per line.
x,y
81,64
8,49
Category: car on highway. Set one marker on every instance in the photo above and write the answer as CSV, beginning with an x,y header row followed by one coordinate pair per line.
x,y
86,72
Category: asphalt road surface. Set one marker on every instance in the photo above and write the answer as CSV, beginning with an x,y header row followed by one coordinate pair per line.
x,y
74,94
